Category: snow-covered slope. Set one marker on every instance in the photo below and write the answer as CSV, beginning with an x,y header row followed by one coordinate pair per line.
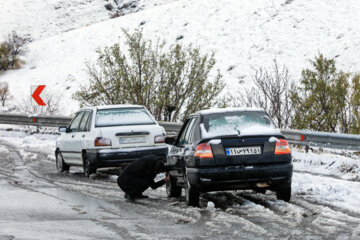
x,y
243,34
44,18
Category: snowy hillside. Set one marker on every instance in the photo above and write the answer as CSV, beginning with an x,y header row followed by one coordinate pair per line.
x,y
243,34
45,18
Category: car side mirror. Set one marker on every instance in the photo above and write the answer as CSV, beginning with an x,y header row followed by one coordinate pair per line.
x,y
170,140
63,129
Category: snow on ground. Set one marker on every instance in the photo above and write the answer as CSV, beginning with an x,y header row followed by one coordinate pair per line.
x,y
326,163
243,34
322,206
37,142
327,190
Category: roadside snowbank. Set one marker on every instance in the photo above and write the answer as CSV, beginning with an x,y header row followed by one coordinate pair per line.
x,y
344,167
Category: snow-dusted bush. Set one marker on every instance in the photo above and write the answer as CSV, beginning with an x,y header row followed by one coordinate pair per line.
x,y
10,50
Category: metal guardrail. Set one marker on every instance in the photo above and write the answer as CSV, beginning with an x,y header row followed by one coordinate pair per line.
x,y
171,128
322,139
34,120
298,137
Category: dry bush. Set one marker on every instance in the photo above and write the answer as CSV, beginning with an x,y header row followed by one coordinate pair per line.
x,y
4,92
53,106
272,92
11,49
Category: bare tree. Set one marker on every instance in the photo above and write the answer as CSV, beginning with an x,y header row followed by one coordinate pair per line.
x,y
272,92
4,92
53,106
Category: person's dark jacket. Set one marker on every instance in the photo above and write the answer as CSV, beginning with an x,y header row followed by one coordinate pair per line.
x,y
140,174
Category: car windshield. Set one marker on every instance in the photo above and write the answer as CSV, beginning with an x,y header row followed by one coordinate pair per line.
x,y
123,117
236,123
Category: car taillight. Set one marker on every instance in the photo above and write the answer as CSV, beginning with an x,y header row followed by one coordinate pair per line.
x,y
99,141
159,139
203,150
282,147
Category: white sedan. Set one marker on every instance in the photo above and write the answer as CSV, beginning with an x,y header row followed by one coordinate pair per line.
x,y
109,136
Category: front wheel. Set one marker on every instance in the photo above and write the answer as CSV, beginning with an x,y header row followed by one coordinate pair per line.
x,y
61,166
283,192
88,168
192,194
172,189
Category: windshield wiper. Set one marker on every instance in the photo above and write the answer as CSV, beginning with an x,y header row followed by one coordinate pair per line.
x,y
238,131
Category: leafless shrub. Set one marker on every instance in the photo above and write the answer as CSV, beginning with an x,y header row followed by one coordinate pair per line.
x,y
121,7
109,6
53,106
272,92
4,92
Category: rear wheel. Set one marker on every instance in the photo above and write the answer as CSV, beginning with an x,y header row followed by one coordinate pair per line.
x,y
172,189
61,166
261,190
283,192
88,168
192,194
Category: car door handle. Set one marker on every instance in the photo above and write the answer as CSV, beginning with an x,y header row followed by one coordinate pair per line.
x,y
83,135
72,136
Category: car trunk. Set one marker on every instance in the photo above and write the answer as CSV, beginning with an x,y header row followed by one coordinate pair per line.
x,y
131,135
244,151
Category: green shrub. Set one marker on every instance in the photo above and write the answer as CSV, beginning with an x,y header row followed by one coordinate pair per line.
x,y
327,100
150,75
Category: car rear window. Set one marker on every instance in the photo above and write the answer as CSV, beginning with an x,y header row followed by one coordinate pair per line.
x,y
123,117
228,123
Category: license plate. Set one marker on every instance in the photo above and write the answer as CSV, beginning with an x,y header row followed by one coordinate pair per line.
x,y
129,140
243,151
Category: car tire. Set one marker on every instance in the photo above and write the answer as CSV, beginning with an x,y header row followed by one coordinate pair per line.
x,y
283,192
61,166
261,190
192,194
88,168
172,189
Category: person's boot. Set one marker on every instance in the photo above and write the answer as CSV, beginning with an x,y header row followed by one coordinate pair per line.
x,y
129,198
140,196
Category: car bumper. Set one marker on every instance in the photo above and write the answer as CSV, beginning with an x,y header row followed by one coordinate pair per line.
x,y
236,177
121,157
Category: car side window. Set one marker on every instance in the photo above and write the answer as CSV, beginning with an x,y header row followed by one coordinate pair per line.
x,y
75,122
189,133
182,136
84,121
88,123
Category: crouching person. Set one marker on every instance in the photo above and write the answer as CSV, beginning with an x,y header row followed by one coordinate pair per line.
x,y
139,175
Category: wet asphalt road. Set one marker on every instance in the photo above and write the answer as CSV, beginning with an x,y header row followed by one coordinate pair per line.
x,y
38,203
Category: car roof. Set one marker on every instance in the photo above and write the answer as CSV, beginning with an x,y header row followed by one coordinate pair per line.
x,y
223,110
112,106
